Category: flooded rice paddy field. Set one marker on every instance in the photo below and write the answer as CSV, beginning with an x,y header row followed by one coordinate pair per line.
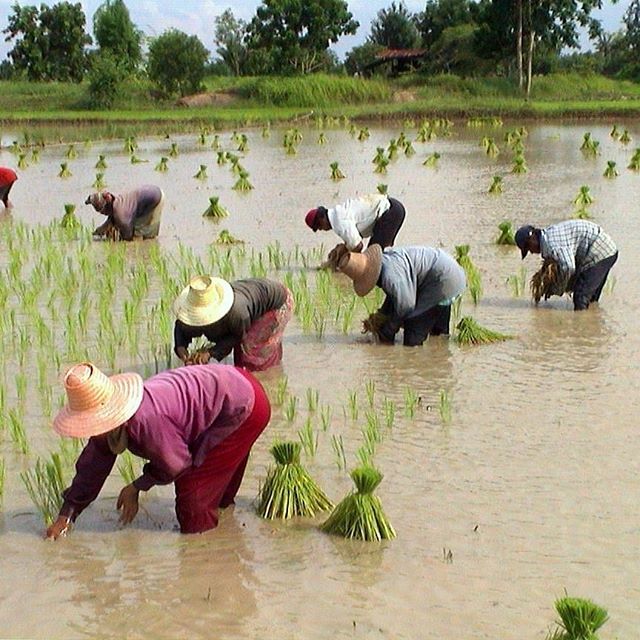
x,y
530,489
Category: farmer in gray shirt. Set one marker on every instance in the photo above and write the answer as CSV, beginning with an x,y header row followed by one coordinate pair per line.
x,y
135,214
420,283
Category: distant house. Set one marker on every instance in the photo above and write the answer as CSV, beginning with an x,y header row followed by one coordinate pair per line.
x,y
400,60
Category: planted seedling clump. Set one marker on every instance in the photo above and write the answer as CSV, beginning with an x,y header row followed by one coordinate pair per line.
x,y
506,233
289,490
470,332
496,185
360,515
215,210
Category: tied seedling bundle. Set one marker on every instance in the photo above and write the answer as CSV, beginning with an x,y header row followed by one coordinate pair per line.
x,y
215,210
289,490
225,237
373,324
474,280
580,619
506,233
544,282
360,515
470,332
69,219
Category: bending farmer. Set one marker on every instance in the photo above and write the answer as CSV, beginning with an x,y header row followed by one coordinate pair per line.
x,y
247,317
420,282
582,251
7,178
194,425
135,214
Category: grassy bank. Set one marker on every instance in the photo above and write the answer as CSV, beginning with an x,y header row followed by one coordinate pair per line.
x,y
249,101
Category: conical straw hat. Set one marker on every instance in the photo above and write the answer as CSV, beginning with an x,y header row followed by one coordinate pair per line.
x,y
97,403
363,268
204,301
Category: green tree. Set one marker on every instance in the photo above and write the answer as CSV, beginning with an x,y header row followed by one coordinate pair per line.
x,y
177,62
395,28
229,38
115,32
439,15
106,74
293,35
49,41
359,58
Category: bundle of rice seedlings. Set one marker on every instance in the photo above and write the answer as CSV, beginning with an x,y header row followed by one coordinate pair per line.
x,y
35,155
242,183
582,213
243,144
266,131
519,164
102,163
614,133
215,210
383,189
69,219
392,150
225,237
506,233
470,332
322,139
360,515
544,281
474,280
173,152
135,160
496,185
130,145
201,173
587,142
379,155
408,149
381,166
611,171
64,171
634,163
492,149
580,619
625,138
373,323
584,197
22,161
215,143
45,484
71,153
162,166
99,182
336,174
363,134
289,490
432,160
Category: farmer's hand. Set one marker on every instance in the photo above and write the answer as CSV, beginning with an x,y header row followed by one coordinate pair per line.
x,y
202,357
128,504
59,528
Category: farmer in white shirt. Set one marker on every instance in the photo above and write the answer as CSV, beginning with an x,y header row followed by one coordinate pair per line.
x,y
375,216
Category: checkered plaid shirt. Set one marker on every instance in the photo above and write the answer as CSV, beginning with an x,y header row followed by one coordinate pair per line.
x,y
575,245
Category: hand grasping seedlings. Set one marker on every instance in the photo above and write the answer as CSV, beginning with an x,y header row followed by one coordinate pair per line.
x,y
373,325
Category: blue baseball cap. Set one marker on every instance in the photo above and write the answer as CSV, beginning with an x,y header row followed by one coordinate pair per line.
x,y
522,235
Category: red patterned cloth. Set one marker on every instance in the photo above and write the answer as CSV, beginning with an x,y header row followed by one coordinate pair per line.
x,y
261,345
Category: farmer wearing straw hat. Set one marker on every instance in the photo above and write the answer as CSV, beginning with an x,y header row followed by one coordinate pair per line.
x,y
583,254
375,216
420,283
135,214
7,178
247,317
195,426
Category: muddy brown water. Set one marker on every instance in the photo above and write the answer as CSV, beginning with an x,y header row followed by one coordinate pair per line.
x,y
530,490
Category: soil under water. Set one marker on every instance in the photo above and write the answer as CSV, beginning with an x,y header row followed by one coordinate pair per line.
x,y
531,489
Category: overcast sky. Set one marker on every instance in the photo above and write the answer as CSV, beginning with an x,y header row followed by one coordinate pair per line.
x,y
197,16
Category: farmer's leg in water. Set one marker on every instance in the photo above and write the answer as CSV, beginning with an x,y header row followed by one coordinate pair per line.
x,y
388,225
443,322
202,490
589,283
416,330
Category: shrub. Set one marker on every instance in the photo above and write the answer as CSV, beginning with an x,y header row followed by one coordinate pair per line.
x,y
105,80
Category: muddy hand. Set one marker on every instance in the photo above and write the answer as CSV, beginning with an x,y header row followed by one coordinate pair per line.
x,y
59,528
128,504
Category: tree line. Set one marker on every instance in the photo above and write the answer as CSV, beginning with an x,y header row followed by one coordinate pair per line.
x,y
516,38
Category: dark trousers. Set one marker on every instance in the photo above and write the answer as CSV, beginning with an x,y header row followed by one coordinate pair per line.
x,y
388,224
434,321
590,282
4,192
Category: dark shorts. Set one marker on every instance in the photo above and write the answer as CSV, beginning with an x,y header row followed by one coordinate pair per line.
x,y
388,225
590,282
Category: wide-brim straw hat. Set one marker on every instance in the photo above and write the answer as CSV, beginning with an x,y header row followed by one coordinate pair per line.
x,y
97,403
363,268
204,301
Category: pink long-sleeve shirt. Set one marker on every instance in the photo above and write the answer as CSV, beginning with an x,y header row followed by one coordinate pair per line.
x,y
184,414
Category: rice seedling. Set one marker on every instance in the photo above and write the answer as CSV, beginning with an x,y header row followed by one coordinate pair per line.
x,y
432,160
470,332
634,163
308,438
130,145
379,155
625,138
134,159
408,149
291,408
322,139
266,131
519,165
243,143
312,399
22,161
411,402
491,149
363,134
614,133
474,280
201,174
584,197
71,153
289,490
45,484
127,467
371,432
360,515
389,411
392,150
281,390
173,151
506,236
17,431
325,416
243,184
202,138
353,404
69,219
580,619
336,173
337,445
370,390
225,237
383,189
589,146
444,407
496,185
35,155
162,166
611,171
64,171
381,166
352,130
517,282
215,143
99,182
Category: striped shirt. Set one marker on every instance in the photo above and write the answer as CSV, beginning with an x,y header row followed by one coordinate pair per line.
x,y
575,245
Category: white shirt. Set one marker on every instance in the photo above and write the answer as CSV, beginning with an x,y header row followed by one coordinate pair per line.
x,y
354,219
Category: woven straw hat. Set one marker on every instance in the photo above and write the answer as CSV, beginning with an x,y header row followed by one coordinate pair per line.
x,y
97,200
97,403
363,268
204,301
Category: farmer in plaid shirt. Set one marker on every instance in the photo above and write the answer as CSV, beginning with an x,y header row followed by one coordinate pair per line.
x,y
583,252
